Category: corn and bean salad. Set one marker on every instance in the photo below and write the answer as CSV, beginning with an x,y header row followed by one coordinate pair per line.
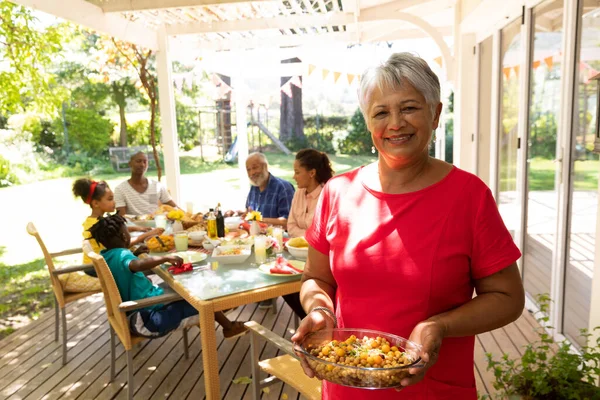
x,y
352,357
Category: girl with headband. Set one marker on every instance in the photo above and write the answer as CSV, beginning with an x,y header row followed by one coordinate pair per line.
x,y
101,200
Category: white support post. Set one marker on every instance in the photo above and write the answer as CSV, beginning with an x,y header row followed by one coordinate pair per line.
x,y
241,103
496,90
168,121
464,103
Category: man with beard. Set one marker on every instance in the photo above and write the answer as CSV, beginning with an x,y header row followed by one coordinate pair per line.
x,y
140,195
269,195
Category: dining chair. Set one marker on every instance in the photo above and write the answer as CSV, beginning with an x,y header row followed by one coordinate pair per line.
x,y
117,311
284,368
61,297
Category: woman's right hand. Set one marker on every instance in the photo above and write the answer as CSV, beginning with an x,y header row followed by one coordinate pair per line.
x,y
314,321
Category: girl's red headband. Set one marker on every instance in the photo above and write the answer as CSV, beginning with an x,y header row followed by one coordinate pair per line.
x,y
91,193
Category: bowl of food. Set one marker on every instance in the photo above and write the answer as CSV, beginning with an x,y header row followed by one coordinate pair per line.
x,y
196,236
160,243
298,247
233,223
360,358
144,220
231,254
210,244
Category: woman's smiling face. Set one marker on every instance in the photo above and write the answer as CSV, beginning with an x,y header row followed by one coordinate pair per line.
x,y
401,123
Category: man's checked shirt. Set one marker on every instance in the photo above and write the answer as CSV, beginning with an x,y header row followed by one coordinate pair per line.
x,y
275,201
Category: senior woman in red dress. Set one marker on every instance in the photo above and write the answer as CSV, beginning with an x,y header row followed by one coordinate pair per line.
x,y
399,245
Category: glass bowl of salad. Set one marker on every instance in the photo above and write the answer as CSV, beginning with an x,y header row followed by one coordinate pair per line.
x,y
360,358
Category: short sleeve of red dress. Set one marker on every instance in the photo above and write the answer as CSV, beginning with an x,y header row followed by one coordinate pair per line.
x,y
399,259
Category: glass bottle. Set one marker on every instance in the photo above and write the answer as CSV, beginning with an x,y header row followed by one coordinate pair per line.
x,y
211,224
220,222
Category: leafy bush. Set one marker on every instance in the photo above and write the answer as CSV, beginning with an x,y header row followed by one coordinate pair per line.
x,y
7,178
543,375
320,132
138,133
88,131
187,126
358,140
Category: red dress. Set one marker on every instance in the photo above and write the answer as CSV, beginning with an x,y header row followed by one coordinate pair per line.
x,y
399,259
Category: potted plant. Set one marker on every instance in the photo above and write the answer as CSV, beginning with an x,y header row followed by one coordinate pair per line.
x,y
548,370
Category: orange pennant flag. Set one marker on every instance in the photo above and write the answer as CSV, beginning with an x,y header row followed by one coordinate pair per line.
x,y
438,61
350,78
536,64
549,62
516,68
311,69
506,72
325,73
336,76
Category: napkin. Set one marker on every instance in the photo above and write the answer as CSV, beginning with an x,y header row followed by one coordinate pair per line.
x,y
180,269
283,266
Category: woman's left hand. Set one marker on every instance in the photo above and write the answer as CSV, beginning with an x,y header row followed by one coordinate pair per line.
x,y
428,334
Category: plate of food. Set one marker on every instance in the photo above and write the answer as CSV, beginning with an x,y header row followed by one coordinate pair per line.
x,y
191,256
361,358
160,243
231,254
282,267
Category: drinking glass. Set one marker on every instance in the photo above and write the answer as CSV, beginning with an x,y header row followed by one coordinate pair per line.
x,y
181,241
278,235
260,249
161,221
189,207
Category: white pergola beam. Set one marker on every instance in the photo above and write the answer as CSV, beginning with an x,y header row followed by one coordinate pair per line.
x,y
275,41
83,13
375,13
110,6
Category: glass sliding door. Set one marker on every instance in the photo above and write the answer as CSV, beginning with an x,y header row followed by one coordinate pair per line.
x,y
544,112
584,181
509,124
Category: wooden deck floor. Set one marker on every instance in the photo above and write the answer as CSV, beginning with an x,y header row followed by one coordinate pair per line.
x,y
30,360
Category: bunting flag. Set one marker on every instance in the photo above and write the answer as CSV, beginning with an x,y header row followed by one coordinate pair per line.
x,y
311,69
325,73
296,82
336,76
506,72
516,69
350,78
287,89
536,64
549,62
438,61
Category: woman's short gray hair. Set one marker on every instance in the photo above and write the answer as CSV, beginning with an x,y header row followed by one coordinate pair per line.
x,y
391,74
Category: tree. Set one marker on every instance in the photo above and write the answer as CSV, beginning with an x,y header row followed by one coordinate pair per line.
x,y
291,123
124,58
27,51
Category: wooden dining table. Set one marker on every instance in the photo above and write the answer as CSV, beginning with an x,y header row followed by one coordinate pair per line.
x,y
216,287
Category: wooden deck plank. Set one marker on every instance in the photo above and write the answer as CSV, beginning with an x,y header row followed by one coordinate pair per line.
x,y
52,365
49,356
162,372
29,343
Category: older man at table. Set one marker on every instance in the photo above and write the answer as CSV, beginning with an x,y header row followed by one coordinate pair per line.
x,y
140,195
270,195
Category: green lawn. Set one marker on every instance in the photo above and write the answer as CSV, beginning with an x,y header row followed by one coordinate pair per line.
x,y
25,290
542,172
